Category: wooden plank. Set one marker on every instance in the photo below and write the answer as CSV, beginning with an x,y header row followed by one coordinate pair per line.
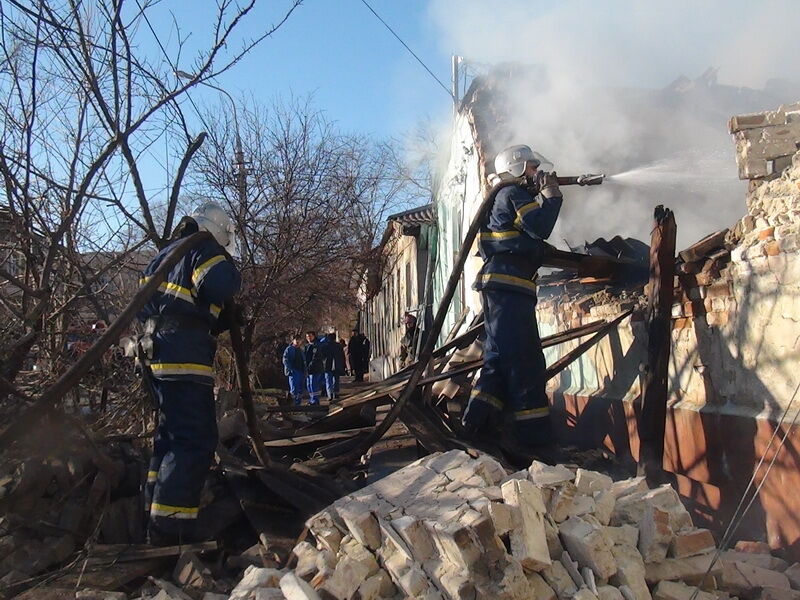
x,y
701,249
116,553
652,419
315,437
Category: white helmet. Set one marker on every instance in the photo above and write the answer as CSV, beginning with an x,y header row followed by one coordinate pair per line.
x,y
511,161
212,218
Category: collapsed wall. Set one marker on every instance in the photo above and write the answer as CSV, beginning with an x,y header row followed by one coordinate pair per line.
x,y
735,336
458,526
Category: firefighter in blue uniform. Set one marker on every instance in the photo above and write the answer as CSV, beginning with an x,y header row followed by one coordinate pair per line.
x,y
181,321
294,366
512,245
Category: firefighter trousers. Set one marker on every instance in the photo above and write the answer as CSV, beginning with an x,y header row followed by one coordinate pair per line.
x,y
297,385
183,450
512,379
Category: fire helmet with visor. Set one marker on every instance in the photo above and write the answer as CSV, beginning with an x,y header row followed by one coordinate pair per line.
x,y
211,217
512,161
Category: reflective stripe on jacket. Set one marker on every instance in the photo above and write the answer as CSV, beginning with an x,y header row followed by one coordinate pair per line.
x,y
511,241
197,287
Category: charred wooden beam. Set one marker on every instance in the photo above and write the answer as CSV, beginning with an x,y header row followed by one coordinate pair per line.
x,y
596,266
653,416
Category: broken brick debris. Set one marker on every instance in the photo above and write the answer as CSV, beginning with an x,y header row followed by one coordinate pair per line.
x,y
454,526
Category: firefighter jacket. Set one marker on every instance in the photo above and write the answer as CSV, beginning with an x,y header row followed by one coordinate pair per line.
x,y
315,355
511,241
333,357
185,309
294,359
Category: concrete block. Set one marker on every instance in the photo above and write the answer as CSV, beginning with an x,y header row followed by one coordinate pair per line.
x,y
690,543
655,535
491,471
793,573
416,536
377,586
589,482
630,572
561,502
347,577
557,578
604,502
588,544
630,508
765,561
294,588
361,523
584,594
626,535
688,568
573,568
675,590
770,593
746,580
608,592
554,545
503,516
529,541
624,487
545,475
253,578
458,545
307,556
540,589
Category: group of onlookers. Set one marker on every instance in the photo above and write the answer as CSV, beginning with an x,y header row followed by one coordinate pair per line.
x,y
317,365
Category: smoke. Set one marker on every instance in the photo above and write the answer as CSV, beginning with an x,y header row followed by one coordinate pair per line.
x,y
603,92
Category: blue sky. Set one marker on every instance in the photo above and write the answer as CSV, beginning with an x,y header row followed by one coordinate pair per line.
x,y
358,73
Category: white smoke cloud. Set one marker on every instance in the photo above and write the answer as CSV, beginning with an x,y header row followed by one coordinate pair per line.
x,y
598,103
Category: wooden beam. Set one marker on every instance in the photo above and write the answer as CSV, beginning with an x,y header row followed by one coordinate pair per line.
x,y
653,416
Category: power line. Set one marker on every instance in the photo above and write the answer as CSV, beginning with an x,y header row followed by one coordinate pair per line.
x,y
406,46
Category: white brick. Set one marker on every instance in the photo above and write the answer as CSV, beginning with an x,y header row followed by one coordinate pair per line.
x,y
361,523
681,568
547,476
503,516
630,572
608,592
675,590
294,588
588,545
561,502
655,535
557,578
377,586
589,482
540,589
528,542
626,535
746,579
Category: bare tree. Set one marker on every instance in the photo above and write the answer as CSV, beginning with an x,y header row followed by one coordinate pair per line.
x,y
307,223
82,106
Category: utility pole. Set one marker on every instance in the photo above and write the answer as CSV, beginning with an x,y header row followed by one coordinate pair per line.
x,y
455,62
238,153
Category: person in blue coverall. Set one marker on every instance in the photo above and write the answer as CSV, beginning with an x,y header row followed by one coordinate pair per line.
x,y
315,365
181,321
512,244
294,366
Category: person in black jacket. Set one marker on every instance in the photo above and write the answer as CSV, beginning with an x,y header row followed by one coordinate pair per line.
x,y
181,320
358,350
334,365
315,355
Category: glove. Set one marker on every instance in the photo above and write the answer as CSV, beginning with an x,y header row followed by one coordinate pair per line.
x,y
548,184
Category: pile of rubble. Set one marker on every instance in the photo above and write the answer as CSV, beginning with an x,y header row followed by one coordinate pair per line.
x,y
456,526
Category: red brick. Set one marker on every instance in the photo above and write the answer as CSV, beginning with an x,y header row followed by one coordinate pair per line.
x,y
691,543
766,233
772,248
753,547
682,323
720,289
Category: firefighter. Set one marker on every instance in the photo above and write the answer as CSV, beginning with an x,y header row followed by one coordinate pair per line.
x,y
180,322
511,243
316,368
294,365
334,365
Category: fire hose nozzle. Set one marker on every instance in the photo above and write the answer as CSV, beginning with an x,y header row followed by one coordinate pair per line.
x,y
591,179
588,179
